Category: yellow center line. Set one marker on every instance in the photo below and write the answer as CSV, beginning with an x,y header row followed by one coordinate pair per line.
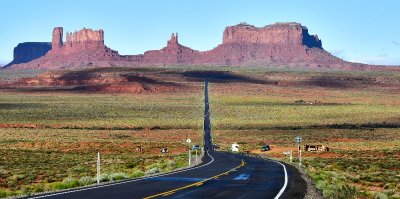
x,y
195,184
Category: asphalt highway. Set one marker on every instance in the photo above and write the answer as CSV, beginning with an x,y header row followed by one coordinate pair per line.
x,y
221,175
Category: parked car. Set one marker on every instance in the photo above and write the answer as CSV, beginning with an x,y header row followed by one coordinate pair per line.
x,y
196,147
265,148
164,150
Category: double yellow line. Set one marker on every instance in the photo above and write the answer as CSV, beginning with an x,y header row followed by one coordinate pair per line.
x,y
197,183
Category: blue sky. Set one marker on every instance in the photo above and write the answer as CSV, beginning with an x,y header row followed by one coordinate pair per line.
x,y
357,30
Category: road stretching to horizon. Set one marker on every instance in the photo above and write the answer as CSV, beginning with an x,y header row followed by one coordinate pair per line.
x,y
220,175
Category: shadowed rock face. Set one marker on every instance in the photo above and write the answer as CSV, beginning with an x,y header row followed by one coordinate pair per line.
x,y
280,44
28,51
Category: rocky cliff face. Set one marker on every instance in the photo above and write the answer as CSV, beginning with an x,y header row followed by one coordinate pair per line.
x,y
277,34
28,51
280,44
83,40
57,41
276,45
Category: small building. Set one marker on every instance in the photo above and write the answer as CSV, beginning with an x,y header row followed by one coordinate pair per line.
x,y
235,147
315,148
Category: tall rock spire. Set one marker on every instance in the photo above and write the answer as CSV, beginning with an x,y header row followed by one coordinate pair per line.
x,y
173,42
57,40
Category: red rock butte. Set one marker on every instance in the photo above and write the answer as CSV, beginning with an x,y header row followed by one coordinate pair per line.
x,y
276,45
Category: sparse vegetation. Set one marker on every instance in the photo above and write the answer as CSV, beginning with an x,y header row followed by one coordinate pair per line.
x,y
360,124
49,140
55,138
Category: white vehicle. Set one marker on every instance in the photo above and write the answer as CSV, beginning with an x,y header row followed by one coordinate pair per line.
x,y
235,147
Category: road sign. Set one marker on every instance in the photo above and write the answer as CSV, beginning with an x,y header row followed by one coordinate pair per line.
x,y
188,140
298,139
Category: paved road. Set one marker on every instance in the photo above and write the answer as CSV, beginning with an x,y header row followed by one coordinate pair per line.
x,y
221,175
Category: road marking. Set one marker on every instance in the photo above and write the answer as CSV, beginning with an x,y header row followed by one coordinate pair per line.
x,y
176,179
124,182
195,184
284,184
242,176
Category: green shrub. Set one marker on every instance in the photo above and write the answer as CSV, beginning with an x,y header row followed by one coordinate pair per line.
x,y
337,191
26,190
153,171
171,163
381,196
86,180
66,184
58,185
104,178
130,165
38,188
395,196
137,174
118,176
3,194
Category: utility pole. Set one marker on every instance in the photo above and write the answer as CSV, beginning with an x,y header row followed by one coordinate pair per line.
x,y
98,167
196,156
190,156
291,155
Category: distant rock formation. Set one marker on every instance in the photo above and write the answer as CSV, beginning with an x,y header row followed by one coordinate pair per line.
x,y
81,49
286,44
28,51
276,45
276,34
57,39
86,40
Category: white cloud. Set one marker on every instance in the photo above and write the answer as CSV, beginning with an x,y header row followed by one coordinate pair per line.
x,y
341,53
377,60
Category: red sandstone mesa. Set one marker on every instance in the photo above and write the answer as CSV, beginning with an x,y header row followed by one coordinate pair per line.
x,y
28,51
276,45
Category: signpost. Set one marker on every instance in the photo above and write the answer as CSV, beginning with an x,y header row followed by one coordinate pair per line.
x,y
98,167
190,154
290,153
298,142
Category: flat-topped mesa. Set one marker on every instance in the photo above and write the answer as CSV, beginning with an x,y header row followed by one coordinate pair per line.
x,y
28,51
275,34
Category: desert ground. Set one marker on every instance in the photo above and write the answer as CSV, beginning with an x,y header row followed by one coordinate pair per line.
x,y
53,123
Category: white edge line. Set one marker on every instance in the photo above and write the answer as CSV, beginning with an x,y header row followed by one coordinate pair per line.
x,y
284,184
128,181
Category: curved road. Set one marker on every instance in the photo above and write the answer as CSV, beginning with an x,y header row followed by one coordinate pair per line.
x,y
221,175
